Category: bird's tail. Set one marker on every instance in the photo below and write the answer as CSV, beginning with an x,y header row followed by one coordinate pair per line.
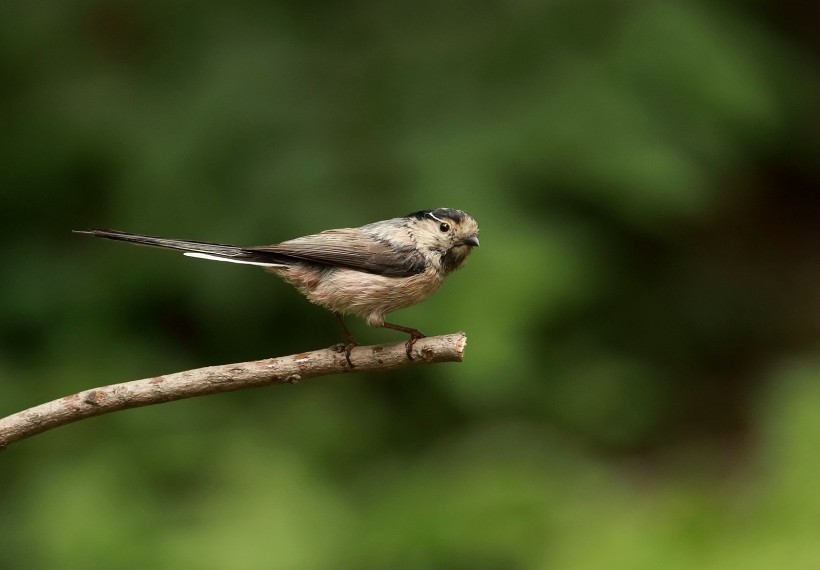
x,y
202,249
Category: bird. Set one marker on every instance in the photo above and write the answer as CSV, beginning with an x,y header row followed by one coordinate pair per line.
x,y
367,271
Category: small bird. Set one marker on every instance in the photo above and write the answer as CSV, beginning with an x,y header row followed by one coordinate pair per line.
x,y
368,271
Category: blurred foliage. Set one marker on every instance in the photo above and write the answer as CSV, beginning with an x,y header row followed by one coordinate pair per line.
x,y
642,381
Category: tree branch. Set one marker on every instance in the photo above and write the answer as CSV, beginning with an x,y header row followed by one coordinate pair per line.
x,y
225,378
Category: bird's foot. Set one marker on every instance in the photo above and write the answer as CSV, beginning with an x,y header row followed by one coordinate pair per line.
x,y
414,336
408,346
345,348
351,342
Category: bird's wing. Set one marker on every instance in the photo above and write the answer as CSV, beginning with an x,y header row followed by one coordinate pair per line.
x,y
352,248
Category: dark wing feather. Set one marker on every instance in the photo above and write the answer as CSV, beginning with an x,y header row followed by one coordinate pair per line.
x,y
352,248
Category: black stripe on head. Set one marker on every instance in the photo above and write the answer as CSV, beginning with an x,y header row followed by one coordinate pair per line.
x,y
438,213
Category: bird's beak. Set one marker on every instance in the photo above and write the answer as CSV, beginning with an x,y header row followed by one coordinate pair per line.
x,y
472,241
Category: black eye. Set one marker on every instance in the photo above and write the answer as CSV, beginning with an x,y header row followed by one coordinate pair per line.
x,y
445,227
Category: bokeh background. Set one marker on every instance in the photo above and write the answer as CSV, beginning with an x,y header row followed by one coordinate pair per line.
x,y
641,386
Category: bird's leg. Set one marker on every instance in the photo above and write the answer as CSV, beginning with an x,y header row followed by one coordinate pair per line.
x,y
351,342
414,336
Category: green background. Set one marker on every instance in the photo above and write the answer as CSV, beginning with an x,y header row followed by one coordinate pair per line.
x,y
641,386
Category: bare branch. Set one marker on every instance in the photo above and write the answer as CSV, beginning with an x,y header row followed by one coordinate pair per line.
x,y
225,378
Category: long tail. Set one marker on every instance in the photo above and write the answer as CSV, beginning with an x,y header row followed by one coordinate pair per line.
x,y
202,249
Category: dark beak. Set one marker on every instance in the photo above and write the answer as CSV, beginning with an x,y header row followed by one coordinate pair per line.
x,y
472,241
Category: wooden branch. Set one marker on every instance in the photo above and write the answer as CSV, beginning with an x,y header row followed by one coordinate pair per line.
x,y
225,378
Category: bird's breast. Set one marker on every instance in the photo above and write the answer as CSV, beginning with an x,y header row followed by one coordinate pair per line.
x,y
367,295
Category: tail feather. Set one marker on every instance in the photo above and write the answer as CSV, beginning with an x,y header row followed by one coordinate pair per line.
x,y
206,250
230,260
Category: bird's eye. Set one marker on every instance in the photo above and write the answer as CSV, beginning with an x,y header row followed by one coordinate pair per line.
x,y
445,227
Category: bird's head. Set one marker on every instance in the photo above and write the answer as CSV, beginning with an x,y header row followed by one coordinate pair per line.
x,y
451,233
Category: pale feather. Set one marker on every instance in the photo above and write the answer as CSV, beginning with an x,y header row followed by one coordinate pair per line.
x,y
217,258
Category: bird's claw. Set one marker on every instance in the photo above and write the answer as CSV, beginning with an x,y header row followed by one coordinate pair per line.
x,y
408,346
345,348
